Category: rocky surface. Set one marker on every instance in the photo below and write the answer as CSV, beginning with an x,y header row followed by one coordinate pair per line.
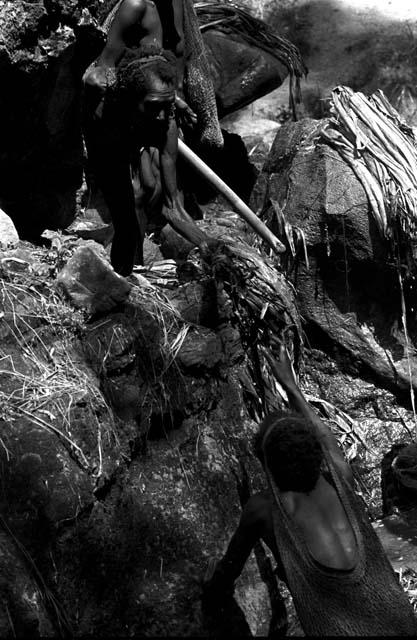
x,y
44,51
122,443
90,282
127,414
126,447
348,291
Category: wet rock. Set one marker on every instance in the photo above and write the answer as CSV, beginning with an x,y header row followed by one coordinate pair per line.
x,y
9,238
91,283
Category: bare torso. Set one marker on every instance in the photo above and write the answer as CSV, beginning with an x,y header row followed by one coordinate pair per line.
x,y
144,22
322,521
145,26
147,20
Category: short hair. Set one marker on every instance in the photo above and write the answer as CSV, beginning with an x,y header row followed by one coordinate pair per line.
x,y
287,445
139,66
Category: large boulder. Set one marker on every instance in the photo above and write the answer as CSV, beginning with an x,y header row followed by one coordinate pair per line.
x,y
241,73
125,440
44,48
349,290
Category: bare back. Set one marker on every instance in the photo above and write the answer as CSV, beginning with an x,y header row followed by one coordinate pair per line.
x,y
324,525
322,522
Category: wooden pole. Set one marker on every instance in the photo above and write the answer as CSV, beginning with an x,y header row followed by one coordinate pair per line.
x,y
237,203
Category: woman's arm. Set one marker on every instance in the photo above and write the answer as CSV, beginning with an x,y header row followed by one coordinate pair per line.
x,y
247,534
174,210
283,371
102,72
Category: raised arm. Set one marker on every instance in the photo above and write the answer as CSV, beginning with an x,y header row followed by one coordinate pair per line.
x,y
283,371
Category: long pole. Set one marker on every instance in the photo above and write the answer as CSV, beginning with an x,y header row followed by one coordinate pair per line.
x,y
237,203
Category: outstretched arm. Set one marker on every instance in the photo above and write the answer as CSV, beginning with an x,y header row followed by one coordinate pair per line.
x,y
283,371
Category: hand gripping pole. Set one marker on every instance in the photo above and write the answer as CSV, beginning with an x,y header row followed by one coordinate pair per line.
x,y
237,203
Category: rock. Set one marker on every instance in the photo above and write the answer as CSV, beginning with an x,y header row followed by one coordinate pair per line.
x,y
91,283
90,226
57,433
201,348
362,325
45,477
349,291
241,73
253,131
9,238
196,302
257,133
41,155
11,265
151,252
121,438
397,534
173,245
23,612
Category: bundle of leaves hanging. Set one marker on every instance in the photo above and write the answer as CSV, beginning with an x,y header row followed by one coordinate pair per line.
x,y
263,310
380,147
233,20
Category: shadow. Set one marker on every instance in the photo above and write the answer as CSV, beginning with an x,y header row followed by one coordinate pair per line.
x,y
225,620
404,525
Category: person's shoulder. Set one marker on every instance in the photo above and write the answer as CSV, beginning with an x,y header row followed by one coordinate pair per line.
x,y
257,509
136,6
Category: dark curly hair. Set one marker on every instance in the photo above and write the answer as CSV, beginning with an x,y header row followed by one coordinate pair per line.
x,y
137,68
291,451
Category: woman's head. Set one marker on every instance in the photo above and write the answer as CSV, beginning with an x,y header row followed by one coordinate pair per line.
x,y
146,82
287,446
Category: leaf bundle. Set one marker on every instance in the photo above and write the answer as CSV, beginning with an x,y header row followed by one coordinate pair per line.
x,y
233,20
381,149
